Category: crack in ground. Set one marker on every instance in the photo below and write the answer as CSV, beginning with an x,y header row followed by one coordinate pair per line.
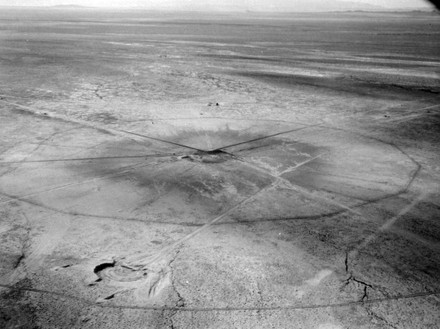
x,y
180,303
97,89
19,267
353,253
379,318
365,285
352,279
19,261
26,242
260,294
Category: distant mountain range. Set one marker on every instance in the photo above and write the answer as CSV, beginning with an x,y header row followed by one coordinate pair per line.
x,y
271,6
69,6
234,5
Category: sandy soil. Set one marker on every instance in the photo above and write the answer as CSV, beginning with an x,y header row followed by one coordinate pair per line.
x,y
165,171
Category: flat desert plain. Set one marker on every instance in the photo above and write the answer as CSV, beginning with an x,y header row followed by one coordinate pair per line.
x,y
201,170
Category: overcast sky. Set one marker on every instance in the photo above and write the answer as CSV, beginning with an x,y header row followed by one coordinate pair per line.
x,y
238,4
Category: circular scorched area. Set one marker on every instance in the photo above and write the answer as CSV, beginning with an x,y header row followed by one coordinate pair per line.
x,y
189,171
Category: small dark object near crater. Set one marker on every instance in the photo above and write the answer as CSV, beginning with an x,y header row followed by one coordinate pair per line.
x,y
99,268
116,272
110,297
94,283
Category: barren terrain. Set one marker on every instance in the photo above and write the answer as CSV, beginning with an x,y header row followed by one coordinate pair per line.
x,y
164,170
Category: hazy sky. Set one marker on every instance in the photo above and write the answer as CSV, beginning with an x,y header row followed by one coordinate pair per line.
x,y
239,4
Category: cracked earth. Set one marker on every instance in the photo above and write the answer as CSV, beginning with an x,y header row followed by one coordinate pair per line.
x,y
205,178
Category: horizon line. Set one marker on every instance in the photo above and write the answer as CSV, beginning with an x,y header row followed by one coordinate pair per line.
x,y
379,10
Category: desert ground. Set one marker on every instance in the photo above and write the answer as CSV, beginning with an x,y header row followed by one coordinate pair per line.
x,y
163,170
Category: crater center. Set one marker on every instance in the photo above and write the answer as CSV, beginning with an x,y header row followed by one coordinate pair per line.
x,y
213,156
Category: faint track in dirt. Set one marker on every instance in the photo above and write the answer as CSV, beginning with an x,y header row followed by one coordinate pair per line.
x,y
413,174
353,253
407,103
94,126
263,137
144,156
36,148
287,184
161,140
122,171
231,119
408,117
226,309
71,213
